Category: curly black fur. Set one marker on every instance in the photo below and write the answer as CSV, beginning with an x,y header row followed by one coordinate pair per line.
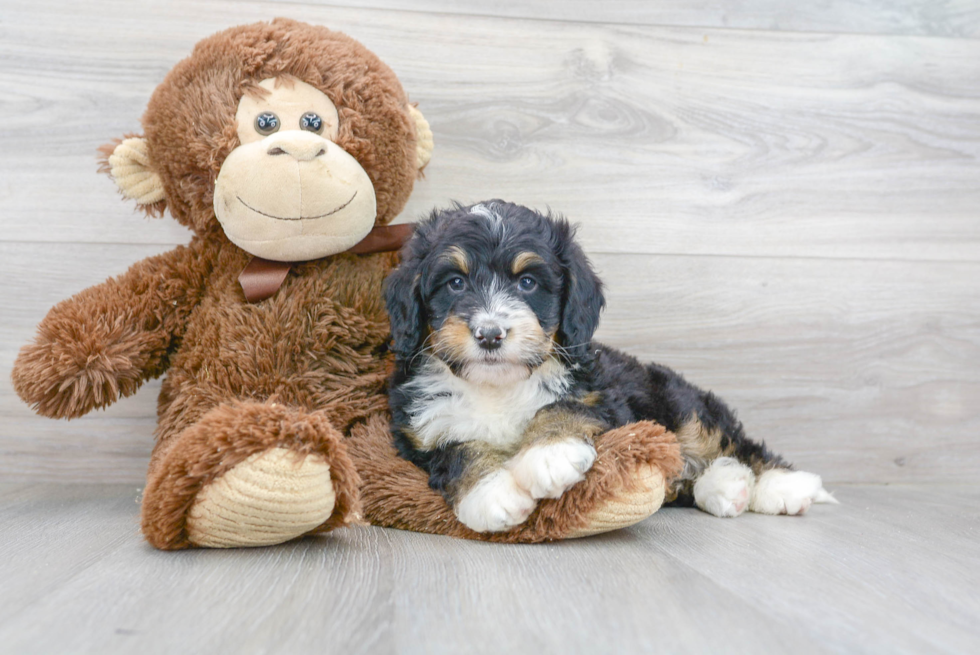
x,y
606,385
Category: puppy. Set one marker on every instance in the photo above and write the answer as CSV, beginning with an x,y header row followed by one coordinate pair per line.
x,y
499,389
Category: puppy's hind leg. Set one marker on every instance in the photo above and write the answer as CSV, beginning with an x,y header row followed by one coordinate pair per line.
x,y
732,473
784,491
741,474
724,488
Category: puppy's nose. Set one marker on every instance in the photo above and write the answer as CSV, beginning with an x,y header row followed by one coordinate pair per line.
x,y
490,337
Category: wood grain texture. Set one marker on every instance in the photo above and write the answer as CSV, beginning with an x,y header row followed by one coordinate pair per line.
x,y
861,371
659,140
851,569
951,18
889,570
788,218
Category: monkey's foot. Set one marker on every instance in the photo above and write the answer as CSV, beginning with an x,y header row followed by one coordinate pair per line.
x,y
627,507
269,498
249,474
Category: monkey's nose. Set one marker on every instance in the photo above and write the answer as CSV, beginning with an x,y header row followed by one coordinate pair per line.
x,y
491,337
300,147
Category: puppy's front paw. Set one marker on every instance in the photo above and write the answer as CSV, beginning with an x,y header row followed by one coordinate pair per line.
x,y
548,470
495,503
780,491
725,488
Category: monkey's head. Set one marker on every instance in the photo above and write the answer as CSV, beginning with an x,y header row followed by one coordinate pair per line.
x,y
297,139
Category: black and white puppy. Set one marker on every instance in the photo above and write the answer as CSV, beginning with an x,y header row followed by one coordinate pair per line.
x,y
499,388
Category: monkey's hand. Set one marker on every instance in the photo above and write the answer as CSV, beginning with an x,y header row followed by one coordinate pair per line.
x,y
103,343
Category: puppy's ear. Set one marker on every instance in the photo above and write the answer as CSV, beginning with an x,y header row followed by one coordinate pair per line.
x,y
582,300
403,299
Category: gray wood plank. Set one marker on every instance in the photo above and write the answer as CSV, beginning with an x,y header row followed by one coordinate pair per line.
x,y
659,140
956,18
889,570
301,597
859,371
595,595
854,581
43,522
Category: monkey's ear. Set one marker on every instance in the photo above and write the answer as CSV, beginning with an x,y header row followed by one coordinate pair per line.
x,y
128,163
424,143
403,300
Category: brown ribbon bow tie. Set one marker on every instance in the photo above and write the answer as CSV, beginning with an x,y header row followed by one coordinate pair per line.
x,y
263,277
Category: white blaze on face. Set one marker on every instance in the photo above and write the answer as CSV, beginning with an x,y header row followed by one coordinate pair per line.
x,y
525,341
292,195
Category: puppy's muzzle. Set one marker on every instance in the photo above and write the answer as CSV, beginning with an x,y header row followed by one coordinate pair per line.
x,y
490,337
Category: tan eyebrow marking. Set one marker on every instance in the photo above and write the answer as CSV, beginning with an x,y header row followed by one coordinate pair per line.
x,y
523,260
455,255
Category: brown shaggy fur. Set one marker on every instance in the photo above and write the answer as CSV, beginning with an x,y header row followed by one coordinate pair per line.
x,y
296,370
190,121
396,493
227,435
299,370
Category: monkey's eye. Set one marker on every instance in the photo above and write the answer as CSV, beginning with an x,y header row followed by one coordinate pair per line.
x,y
457,284
527,283
311,122
266,123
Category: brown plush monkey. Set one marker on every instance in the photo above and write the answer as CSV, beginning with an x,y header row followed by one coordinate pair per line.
x,y
287,149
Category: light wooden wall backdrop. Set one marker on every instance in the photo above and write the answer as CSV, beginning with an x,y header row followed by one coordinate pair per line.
x,y
783,199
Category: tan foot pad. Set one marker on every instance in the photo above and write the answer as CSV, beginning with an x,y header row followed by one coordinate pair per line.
x,y
269,498
629,507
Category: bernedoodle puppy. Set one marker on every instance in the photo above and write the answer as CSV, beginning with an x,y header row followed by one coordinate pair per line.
x,y
498,383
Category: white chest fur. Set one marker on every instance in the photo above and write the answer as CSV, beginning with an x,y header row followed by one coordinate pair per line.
x,y
450,409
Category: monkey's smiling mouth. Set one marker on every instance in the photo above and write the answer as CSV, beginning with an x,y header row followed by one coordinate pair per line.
x,y
298,218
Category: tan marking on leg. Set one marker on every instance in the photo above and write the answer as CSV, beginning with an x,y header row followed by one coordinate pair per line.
x,y
557,449
482,461
559,424
698,442
412,437
699,447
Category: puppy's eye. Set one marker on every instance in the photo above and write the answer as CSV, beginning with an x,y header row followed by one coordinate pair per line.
x,y
527,283
457,284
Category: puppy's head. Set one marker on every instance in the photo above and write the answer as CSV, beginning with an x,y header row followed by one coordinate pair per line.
x,y
493,290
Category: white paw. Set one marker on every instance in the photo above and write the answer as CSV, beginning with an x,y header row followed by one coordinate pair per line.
x,y
779,491
495,503
725,487
548,470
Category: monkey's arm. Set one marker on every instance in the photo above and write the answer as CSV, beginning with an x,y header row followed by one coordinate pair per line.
x,y
104,342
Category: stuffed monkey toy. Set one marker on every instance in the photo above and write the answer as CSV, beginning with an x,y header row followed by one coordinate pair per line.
x,y
286,149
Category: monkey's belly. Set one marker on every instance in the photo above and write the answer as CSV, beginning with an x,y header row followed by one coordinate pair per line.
x,y
316,354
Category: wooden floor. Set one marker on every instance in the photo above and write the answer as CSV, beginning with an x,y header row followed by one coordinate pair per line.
x,y
783,199
893,569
